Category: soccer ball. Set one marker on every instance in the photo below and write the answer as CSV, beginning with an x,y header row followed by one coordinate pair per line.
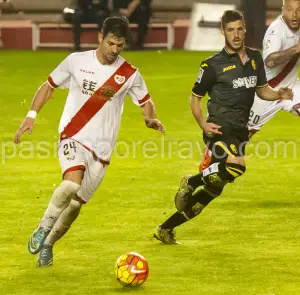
x,y
131,269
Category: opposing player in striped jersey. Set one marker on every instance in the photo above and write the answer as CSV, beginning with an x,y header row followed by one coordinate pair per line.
x,y
98,81
281,54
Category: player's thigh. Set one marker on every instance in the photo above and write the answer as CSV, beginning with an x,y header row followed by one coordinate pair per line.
x,y
293,106
231,144
261,112
72,159
93,176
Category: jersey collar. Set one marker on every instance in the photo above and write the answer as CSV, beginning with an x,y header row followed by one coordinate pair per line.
x,y
229,55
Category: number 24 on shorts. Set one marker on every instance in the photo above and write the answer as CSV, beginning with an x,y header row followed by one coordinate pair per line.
x,y
68,147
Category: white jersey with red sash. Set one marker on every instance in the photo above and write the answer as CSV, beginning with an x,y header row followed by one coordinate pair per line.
x,y
92,113
279,38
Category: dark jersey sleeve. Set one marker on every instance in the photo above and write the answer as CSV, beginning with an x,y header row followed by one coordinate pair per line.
x,y
205,80
261,73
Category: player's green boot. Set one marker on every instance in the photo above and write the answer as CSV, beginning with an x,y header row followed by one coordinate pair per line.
x,y
46,256
37,240
166,236
185,191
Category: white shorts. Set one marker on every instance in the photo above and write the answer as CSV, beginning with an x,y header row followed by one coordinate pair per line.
x,y
263,111
73,156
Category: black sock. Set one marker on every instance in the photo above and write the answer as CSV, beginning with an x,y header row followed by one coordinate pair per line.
x,y
196,180
175,220
201,197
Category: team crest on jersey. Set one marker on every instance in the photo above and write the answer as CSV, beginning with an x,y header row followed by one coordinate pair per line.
x,y
107,91
119,79
234,149
268,44
253,64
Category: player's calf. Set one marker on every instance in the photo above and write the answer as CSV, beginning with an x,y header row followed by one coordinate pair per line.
x,y
64,222
184,192
215,178
60,200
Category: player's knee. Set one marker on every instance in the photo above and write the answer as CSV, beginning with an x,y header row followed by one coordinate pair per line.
x,y
221,174
69,187
67,190
233,171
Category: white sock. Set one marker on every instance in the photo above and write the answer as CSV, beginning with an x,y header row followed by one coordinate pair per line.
x,y
64,222
59,202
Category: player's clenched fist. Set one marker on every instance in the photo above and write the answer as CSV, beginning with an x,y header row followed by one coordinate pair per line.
x,y
285,93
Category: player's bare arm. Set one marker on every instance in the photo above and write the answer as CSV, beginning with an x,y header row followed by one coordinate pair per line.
x,y
281,57
42,95
208,128
149,114
268,93
130,9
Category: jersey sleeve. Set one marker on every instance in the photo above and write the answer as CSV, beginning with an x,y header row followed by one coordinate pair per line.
x,y
61,75
272,41
205,80
138,90
261,73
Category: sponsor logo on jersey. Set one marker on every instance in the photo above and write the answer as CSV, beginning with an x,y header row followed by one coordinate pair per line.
x,y
87,71
253,63
119,79
268,43
89,87
229,68
248,82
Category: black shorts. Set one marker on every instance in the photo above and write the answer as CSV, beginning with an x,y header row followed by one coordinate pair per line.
x,y
232,142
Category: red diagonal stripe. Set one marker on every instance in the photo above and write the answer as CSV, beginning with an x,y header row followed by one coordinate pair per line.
x,y
95,103
285,71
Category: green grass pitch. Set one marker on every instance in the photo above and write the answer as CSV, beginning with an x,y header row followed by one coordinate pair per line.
x,y
245,243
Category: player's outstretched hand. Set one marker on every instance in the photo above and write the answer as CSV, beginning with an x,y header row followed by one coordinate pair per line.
x,y
211,129
285,93
155,124
27,125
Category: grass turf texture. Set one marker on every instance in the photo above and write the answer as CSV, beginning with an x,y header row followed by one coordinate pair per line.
x,y
245,242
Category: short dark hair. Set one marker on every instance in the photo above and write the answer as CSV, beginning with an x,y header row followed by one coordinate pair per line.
x,y
116,25
230,16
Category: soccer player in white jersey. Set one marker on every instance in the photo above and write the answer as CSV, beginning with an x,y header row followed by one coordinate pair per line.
x,y
98,81
281,54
